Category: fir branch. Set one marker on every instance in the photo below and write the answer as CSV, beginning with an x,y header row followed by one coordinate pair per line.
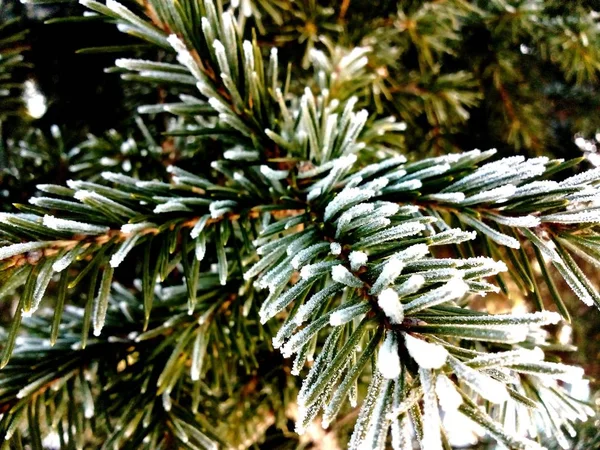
x,y
288,210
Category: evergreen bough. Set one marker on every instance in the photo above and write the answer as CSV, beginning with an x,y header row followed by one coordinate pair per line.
x,y
280,211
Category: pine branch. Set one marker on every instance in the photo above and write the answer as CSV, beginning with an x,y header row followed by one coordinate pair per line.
x,y
13,46
365,258
74,380
108,223
396,287
514,196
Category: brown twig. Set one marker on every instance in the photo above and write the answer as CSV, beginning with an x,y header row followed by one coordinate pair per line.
x,y
344,9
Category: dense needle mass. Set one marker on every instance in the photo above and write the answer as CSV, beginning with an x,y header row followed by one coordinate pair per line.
x,y
294,229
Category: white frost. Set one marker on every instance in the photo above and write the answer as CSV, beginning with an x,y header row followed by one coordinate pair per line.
x,y
357,260
132,228
391,270
18,249
72,226
335,248
342,275
240,154
389,302
431,414
388,361
412,285
448,396
426,354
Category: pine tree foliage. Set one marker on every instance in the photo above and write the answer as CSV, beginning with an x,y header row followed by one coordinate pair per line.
x,y
277,214
12,63
13,87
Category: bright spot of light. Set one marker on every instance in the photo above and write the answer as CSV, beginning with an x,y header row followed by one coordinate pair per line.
x,y
593,158
524,49
586,145
246,6
589,148
51,441
35,101
564,335
580,390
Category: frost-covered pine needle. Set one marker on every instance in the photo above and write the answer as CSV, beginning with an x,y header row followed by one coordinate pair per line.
x,y
335,248
428,172
351,214
507,358
346,199
200,247
357,260
345,315
171,206
402,433
431,416
362,422
391,270
264,263
299,242
219,208
493,234
574,217
272,174
454,289
342,275
496,195
66,260
271,308
72,226
545,369
128,245
185,57
403,186
387,209
528,221
376,185
389,302
538,318
582,178
133,228
305,255
199,227
388,360
392,233
316,269
411,285
448,197
239,153
316,301
489,388
18,249
41,284
481,266
412,253
447,394
426,354
452,236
